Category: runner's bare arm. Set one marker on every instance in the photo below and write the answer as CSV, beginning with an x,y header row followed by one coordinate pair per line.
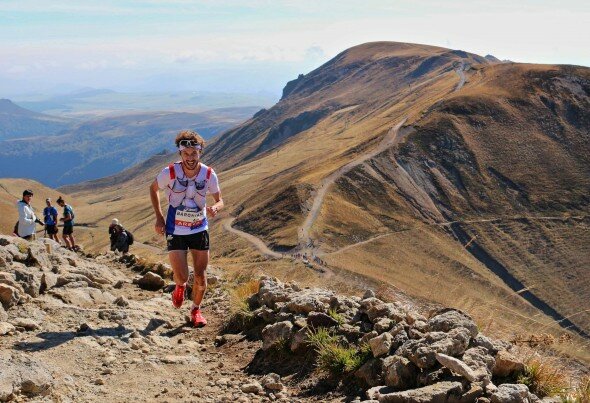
x,y
155,198
212,210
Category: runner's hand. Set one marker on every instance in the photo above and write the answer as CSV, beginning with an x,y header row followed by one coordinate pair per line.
x,y
212,211
160,224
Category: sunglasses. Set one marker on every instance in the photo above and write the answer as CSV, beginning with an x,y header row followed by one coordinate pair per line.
x,y
190,143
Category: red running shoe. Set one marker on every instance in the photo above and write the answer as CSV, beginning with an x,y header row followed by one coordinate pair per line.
x,y
178,295
197,318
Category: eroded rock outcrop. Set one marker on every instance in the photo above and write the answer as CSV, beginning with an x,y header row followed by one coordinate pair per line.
x,y
414,356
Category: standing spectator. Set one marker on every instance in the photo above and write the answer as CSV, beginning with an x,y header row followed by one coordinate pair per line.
x,y
68,220
26,217
50,217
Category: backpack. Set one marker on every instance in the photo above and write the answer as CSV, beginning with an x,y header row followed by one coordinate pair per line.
x,y
130,238
71,212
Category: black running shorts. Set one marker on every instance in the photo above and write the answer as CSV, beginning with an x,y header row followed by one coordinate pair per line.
x,y
51,229
198,241
68,229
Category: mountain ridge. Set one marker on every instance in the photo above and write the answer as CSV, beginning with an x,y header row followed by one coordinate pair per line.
x,y
466,120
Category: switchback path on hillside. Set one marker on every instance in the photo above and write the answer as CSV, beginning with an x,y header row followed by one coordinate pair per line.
x,y
257,242
449,223
390,139
512,218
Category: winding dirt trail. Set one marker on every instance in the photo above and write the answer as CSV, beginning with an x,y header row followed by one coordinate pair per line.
x,y
390,139
257,242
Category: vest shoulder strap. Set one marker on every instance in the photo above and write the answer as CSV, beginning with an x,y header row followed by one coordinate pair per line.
x,y
209,170
172,171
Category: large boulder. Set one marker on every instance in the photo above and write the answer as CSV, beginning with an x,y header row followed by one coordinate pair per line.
x,y
422,352
29,281
271,291
273,335
388,310
151,281
23,375
316,320
506,365
511,393
441,392
383,325
492,345
456,366
306,302
448,319
6,328
300,341
381,345
480,361
370,372
84,297
48,281
37,253
9,296
368,303
400,373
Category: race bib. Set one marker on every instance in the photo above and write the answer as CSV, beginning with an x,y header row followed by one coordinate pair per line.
x,y
189,218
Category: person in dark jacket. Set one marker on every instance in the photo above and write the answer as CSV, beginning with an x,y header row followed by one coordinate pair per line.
x,y
119,237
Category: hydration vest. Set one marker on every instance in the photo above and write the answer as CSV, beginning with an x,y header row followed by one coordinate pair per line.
x,y
179,192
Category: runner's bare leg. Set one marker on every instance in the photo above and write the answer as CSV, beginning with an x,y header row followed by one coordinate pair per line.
x,y
179,263
200,261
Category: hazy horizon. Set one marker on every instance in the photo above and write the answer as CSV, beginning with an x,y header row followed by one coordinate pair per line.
x,y
256,46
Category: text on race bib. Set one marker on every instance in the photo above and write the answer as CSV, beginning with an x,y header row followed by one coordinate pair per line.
x,y
189,218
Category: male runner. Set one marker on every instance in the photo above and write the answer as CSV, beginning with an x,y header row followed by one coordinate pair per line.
x,y
186,184
50,216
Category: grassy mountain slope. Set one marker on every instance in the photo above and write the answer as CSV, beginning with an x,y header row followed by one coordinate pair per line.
x,y
11,191
500,150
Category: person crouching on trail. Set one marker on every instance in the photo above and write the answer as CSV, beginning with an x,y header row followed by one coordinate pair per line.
x,y
186,184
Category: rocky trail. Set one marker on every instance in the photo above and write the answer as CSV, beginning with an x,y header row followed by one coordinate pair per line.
x,y
76,327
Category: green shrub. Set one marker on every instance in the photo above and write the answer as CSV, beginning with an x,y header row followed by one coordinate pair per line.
x,y
335,358
336,316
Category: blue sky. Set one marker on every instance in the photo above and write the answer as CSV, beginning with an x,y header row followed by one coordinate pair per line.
x,y
256,45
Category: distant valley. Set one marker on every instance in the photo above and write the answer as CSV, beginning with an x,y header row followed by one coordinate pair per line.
x,y
86,103
17,122
59,151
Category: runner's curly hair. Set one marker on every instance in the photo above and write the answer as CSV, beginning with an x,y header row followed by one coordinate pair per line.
x,y
190,135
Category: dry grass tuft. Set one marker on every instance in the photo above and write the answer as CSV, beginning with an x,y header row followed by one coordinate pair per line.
x,y
582,391
240,311
545,378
